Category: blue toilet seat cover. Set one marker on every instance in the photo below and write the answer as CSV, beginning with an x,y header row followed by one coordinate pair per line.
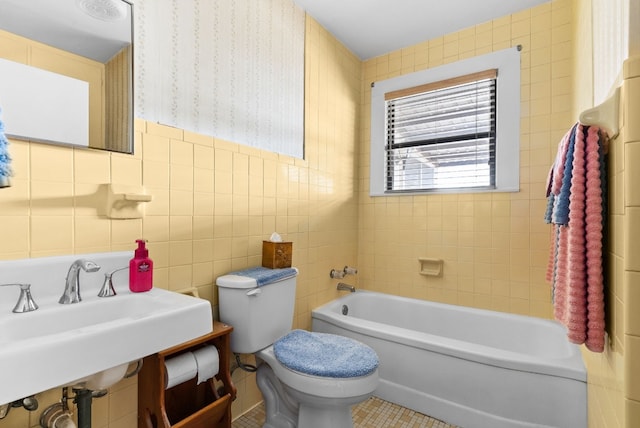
x,y
325,355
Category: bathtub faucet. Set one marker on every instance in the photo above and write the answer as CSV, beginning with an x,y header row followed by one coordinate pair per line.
x,y
339,274
345,287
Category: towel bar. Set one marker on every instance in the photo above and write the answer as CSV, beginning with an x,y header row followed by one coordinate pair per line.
x,y
604,115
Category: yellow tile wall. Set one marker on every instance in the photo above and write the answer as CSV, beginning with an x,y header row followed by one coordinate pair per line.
x,y
213,203
613,375
494,245
627,320
606,370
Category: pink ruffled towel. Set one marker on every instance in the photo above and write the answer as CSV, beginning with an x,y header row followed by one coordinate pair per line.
x,y
576,191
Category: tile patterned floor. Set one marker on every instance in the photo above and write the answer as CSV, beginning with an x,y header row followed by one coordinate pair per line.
x,y
372,413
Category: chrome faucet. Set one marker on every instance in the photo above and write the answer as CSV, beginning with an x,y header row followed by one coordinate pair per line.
x,y
339,274
71,292
345,287
107,289
25,301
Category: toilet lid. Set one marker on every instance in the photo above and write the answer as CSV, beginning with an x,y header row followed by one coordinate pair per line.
x,y
325,355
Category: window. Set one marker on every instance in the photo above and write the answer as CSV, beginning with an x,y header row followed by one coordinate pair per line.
x,y
453,128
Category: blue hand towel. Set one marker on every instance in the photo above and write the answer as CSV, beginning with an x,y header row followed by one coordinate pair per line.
x,y
561,213
325,355
264,276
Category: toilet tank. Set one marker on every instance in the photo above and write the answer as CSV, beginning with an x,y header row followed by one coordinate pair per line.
x,y
259,315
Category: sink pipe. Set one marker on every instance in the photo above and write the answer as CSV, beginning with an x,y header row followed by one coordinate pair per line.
x,y
83,401
29,403
59,415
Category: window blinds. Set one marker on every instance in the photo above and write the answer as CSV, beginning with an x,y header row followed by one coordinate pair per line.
x,y
442,135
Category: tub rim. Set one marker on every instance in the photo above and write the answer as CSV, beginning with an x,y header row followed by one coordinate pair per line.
x,y
571,367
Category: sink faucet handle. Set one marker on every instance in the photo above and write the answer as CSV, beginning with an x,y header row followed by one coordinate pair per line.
x,y
107,289
25,300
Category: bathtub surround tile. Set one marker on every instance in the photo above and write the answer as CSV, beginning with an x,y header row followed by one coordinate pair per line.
x,y
632,408
632,294
516,240
632,367
632,246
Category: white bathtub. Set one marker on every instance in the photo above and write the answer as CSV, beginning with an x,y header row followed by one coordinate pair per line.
x,y
469,367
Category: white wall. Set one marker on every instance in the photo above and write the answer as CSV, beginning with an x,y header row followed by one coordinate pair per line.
x,y
233,69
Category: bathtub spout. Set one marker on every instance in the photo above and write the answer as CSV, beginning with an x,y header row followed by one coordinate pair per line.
x,y
345,287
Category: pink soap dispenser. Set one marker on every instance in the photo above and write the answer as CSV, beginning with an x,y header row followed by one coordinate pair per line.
x,y
141,269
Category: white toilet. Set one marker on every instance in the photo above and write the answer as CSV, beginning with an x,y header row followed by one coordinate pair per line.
x,y
308,380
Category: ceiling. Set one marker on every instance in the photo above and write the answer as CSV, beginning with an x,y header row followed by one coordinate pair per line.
x,y
65,25
371,28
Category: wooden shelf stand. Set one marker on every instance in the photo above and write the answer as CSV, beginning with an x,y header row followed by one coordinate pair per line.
x,y
187,405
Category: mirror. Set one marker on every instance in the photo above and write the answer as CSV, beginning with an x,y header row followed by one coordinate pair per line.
x,y
87,40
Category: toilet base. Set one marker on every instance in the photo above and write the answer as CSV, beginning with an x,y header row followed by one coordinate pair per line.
x,y
313,417
286,407
279,413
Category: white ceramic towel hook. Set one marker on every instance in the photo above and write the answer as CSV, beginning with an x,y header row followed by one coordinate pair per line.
x,y
604,115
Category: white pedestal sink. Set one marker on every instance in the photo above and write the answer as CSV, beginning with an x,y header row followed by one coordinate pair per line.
x,y
58,344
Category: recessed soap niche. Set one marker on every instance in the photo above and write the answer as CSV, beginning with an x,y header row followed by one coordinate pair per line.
x,y
431,266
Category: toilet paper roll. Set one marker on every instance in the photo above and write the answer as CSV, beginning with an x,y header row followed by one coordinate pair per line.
x,y
208,362
179,369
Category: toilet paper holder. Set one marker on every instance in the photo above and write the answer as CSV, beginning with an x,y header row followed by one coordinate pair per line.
x,y
202,363
188,404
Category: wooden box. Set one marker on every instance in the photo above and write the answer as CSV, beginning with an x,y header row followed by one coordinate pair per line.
x,y
276,255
